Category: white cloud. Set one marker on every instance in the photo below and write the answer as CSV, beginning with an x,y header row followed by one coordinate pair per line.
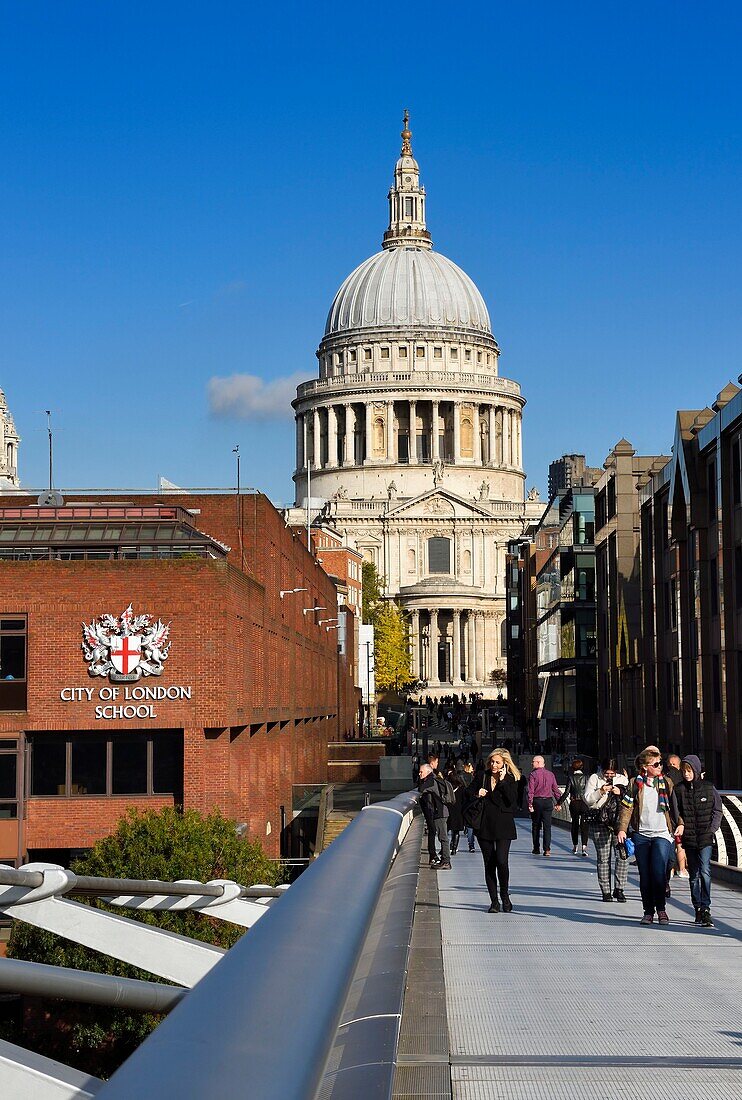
x,y
248,397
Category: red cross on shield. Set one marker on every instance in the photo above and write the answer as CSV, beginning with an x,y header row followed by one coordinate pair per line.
x,y
126,653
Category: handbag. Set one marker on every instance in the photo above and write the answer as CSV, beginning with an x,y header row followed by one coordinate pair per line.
x,y
474,814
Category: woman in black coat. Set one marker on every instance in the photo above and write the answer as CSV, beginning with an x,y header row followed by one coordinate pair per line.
x,y
495,802
455,812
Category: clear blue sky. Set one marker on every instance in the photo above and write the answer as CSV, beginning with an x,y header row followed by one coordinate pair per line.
x,y
184,186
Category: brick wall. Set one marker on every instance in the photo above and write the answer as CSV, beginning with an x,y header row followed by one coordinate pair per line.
x,y
269,689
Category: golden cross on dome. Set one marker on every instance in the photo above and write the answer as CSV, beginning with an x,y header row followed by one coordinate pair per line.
x,y
406,136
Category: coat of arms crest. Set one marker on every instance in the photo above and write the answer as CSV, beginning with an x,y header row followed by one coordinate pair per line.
x,y
125,648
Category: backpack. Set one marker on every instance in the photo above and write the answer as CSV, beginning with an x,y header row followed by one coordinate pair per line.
x,y
446,791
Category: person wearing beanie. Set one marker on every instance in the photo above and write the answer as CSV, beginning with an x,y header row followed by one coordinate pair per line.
x,y
699,807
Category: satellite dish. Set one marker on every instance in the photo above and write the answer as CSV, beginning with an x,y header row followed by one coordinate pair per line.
x,y
52,498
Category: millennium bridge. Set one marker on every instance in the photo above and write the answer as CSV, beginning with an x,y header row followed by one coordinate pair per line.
x,y
375,976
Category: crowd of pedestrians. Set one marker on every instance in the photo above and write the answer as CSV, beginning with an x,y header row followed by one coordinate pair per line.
x,y
663,814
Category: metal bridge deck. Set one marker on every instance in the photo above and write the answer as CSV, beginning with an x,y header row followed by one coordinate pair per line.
x,y
569,997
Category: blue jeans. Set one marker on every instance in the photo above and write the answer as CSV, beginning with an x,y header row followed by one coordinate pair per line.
x,y
470,837
653,854
699,869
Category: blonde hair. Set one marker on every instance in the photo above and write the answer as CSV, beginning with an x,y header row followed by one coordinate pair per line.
x,y
646,755
508,761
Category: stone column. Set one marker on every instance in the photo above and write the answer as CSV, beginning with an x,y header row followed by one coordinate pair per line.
x,y
434,422
506,437
412,446
456,673
317,438
493,434
415,639
304,435
332,436
299,441
519,449
477,437
369,430
456,432
479,630
390,431
433,647
350,424
471,648
498,437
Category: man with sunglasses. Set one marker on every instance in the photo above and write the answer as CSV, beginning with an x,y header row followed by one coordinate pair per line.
x,y
650,809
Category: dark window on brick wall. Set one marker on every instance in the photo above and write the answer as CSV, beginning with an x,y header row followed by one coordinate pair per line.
x,y
13,646
129,765
80,764
89,756
714,587
8,779
48,764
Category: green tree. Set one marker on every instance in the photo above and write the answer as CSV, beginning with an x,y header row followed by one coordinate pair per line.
x,y
499,677
372,591
165,845
392,658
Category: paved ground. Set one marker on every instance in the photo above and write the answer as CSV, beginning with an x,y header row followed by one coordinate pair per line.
x,y
568,997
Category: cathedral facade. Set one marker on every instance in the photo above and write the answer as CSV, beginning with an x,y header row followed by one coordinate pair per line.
x,y
410,443
9,443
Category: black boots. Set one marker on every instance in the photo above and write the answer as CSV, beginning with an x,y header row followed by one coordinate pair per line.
x,y
507,905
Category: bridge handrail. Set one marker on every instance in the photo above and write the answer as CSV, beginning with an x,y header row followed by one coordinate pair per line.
x,y
289,977
91,886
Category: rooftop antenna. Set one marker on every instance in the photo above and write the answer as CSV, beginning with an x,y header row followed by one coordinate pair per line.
x,y
51,448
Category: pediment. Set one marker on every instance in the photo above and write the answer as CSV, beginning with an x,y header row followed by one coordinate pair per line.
x,y
439,502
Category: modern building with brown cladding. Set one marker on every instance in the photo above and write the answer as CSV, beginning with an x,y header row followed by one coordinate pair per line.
x,y
620,644
161,650
691,570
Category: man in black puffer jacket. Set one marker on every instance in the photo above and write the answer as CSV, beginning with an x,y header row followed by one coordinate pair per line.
x,y
699,806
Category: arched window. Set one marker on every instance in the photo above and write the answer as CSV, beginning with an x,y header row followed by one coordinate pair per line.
x,y
439,555
467,438
411,561
10,456
379,443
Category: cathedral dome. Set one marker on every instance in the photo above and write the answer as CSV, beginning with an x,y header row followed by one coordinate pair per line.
x,y
408,285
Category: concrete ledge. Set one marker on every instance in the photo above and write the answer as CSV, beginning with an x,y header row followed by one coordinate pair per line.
x,y
731,876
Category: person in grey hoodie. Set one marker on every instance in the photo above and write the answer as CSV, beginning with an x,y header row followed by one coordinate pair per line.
x,y
699,806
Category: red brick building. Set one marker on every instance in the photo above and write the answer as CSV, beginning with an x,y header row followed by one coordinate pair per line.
x,y
230,707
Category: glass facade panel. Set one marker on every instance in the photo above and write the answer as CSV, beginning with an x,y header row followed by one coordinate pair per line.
x,y
8,774
88,765
167,763
48,764
129,770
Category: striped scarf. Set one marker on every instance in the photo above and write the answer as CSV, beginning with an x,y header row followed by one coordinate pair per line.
x,y
663,802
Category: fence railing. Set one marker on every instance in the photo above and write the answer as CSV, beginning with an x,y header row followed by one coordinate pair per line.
x,y
728,839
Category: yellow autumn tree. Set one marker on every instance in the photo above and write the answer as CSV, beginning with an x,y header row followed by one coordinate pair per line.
x,y
390,646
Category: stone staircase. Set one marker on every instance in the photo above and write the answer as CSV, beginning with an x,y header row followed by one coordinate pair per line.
x,y
336,822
